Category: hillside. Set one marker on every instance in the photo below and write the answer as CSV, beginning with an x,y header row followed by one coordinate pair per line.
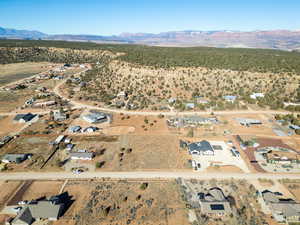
x,y
255,60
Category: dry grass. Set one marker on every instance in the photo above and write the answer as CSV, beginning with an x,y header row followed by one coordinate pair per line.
x,y
125,202
6,190
13,72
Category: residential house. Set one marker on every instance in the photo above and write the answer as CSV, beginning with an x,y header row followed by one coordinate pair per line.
x,y
50,209
44,104
283,210
90,129
248,121
257,95
82,155
190,105
230,98
74,129
24,217
69,147
200,148
122,94
98,117
59,116
171,100
214,202
294,127
202,101
282,157
59,139
191,121
14,158
24,118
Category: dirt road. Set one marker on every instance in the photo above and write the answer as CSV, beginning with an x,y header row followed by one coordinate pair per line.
x,y
143,175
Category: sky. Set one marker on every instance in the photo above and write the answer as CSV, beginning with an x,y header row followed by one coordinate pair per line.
x,y
112,17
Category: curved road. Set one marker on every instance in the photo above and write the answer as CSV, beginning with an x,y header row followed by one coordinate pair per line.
x,y
156,113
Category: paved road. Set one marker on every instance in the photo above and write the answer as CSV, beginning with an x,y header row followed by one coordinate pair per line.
x,y
142,175
156,113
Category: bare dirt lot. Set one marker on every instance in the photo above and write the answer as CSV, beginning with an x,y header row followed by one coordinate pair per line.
x,y
8,127
40,189
134,152
7,188
224,169
140,152
124,202
141,124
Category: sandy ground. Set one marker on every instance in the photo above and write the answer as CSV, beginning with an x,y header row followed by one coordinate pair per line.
x,y
148,152
119,130
235,127
90,196
154,126
42,188
7,126
6,189
224,169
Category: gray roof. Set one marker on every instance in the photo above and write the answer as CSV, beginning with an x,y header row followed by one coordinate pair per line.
x,y
23,217
26,117
248,121
214,201
59,115
75,128
200,146
95,117
46,209
288,207
14,157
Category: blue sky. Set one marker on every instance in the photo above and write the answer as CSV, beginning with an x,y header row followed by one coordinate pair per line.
x,y
106,17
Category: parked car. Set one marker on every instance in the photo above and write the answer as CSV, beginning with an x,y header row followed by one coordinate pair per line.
x,y
78,171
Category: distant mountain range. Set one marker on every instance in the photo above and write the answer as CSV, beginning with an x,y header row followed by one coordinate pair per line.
x,y
273,39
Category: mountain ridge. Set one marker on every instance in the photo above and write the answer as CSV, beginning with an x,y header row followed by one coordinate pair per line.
x,y
271,39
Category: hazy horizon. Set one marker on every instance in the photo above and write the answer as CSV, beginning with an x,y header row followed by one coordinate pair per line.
x,y
115,17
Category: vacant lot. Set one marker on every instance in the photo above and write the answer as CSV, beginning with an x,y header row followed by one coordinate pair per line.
x,y
141,124
134,152
140,152
40,189
124,202
7,188
16,71
7,126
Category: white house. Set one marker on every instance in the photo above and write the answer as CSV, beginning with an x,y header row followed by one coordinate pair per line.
x,y
257,95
